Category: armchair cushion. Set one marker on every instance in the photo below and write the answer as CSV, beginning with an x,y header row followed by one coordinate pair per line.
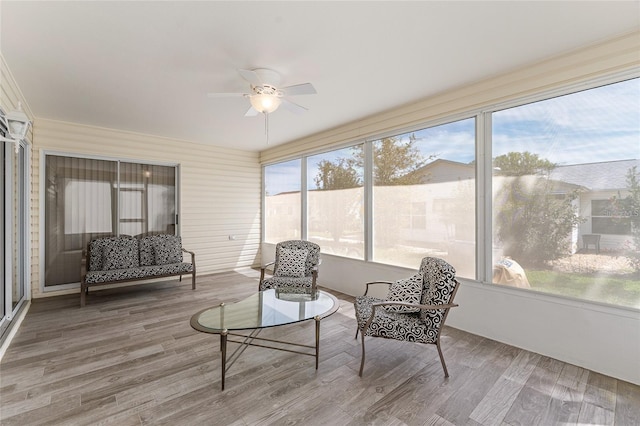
x,y
120,254
408,290
391,325
289,282
291,263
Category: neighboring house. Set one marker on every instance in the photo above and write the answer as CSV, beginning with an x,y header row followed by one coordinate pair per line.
x,y
441,170
597,185
600,183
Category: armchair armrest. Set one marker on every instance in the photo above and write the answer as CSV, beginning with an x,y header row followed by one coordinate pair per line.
x,y
263,268
375,282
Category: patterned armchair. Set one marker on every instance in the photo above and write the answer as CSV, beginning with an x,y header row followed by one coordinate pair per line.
x,y
415,308
295,266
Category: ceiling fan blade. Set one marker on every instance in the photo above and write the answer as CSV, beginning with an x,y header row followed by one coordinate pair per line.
x,y
251,112
293,107
251,76
299,89
226,95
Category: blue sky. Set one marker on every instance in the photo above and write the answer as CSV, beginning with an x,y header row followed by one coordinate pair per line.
x,y
596,125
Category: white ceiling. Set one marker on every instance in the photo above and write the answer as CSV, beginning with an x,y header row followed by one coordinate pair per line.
x,y
147,66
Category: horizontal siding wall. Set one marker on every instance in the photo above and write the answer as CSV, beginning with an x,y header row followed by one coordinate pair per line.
x,y
219,188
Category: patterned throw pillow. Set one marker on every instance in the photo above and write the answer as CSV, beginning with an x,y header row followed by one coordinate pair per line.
x,y
120,253
147,253
168,249
291,263
440,277
408,290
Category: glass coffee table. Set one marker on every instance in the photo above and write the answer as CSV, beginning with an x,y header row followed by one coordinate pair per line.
x,y
269,308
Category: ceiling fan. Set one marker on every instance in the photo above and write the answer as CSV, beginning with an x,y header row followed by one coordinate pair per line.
x,y
265,95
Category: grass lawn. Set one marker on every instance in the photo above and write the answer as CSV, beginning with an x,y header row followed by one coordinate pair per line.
x,y
616,290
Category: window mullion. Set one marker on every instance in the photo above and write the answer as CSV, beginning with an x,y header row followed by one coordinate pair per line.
x,y
484,234
303,200
368,200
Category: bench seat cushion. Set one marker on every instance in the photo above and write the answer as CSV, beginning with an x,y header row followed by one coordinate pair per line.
x,y
95,277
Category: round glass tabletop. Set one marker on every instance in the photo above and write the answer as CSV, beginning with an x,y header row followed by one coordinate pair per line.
x,y
265,309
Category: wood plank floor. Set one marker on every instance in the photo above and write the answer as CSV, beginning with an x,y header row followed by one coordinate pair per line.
x,y
130,358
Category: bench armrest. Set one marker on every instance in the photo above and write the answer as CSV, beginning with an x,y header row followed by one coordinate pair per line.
x,y
83,265
193,256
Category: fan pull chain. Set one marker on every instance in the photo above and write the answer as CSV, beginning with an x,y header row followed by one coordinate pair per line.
x,y
266,127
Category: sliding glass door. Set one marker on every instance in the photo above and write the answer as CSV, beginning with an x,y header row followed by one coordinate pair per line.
x,y
14,265
86,198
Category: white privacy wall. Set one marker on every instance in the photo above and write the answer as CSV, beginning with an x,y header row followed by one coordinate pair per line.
x,y
602,338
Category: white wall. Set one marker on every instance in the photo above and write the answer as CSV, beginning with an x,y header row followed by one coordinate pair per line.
x,y
601,338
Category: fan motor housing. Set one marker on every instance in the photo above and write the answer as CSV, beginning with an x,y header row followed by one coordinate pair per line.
x,y
268,77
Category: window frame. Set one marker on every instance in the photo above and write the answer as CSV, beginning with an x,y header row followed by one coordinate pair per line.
x,y
486,145
15,209
626,218
484,156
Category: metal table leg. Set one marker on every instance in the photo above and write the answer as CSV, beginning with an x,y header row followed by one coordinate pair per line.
x,y
223,349
317,318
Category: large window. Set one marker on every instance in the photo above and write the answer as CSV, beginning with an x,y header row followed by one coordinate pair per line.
x,y
87,198
282,202
424,197
566,194
551,204
335,200
613,216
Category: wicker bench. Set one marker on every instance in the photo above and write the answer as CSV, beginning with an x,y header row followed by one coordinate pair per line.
x,y
120,259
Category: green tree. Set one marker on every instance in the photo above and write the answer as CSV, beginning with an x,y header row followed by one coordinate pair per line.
x,y
395,163
521,163
342,174
532,222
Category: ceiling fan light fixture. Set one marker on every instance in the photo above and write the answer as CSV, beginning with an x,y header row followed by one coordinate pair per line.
x,y
265,103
